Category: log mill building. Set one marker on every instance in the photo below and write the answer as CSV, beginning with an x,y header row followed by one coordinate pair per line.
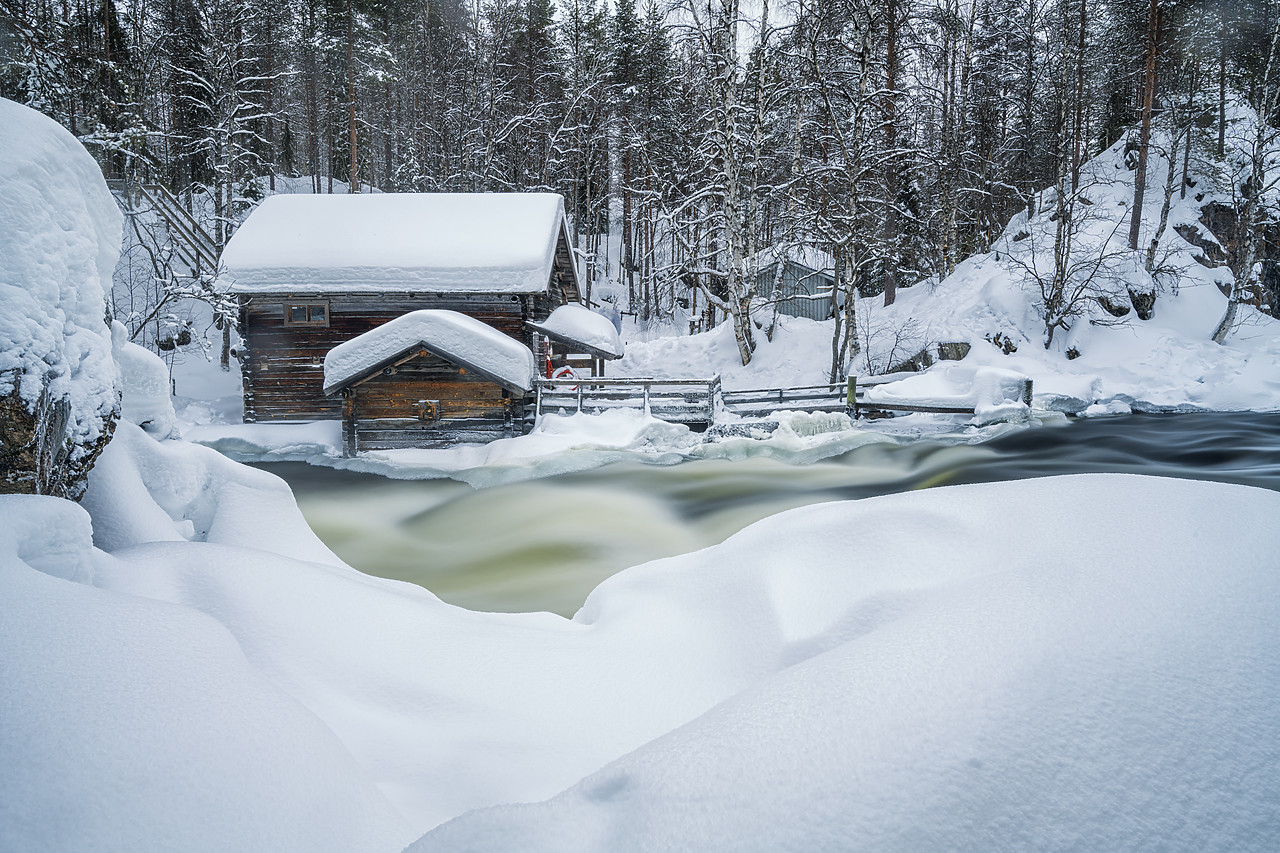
x,y
312,272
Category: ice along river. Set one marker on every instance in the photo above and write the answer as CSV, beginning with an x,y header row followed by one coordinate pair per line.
x,y
544,544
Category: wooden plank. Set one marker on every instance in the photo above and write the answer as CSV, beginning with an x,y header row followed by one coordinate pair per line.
x,y
878,406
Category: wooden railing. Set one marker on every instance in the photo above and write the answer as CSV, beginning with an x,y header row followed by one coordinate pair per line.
x,y
688,401
192,245
808,398
696,401
845,396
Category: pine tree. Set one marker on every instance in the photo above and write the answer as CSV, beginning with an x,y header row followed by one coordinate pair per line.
x,y
583,149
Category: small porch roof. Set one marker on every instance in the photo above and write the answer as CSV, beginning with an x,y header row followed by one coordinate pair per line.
x,y
580,327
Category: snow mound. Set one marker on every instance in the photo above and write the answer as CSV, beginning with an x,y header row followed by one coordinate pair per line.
x,y
1068,663
994,394
59,240
144,386
466,242
145,491
798,355
579,323
451,335
131,724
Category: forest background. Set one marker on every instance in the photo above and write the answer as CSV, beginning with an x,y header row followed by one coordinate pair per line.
x,y
686,137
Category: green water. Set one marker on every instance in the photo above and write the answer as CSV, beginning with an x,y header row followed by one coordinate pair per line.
x,y
544,544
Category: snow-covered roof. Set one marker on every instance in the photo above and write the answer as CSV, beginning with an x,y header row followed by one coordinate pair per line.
x,y
578,325
452,336
806,256
461,242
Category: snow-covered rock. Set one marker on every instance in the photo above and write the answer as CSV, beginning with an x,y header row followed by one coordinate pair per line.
x,y
143,491
144,386
994,394
59,240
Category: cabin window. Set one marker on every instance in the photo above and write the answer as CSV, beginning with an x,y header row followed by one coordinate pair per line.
x,y
306,313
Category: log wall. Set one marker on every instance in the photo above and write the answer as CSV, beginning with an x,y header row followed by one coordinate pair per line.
x,y
283,366
427,401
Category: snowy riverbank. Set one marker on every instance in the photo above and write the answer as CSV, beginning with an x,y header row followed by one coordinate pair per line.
x,y
1164,370
1081,661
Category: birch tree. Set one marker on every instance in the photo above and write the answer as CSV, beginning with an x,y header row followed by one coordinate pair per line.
x,y
720,264
1256,191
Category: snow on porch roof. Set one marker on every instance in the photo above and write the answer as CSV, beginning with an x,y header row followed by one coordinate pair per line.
x,y
407,242
455,337
578,325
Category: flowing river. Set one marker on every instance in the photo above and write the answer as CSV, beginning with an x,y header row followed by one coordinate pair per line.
x,y
544,544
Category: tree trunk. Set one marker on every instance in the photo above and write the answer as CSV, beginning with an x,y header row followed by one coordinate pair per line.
x,y
625,249
891,161
1263,140
1222,80
1144,138
1167,203
354,186
1077,156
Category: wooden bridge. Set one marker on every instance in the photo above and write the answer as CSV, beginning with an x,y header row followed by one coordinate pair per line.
x,y
697,401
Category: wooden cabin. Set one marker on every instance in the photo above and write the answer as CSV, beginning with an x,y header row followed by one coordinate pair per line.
x,y
314,271
803,276
429,377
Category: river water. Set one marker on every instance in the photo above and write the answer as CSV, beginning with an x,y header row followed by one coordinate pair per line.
x,y
544,544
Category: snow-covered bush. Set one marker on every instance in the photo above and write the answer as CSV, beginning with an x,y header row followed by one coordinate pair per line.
x,y
59,240
144,386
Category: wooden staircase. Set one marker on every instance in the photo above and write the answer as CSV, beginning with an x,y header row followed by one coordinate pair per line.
x,y
192,245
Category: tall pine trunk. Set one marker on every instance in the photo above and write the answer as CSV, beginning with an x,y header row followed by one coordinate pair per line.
x,y
354,185
1144,137
891,160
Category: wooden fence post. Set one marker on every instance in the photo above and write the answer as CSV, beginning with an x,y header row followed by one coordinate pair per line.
x,y
851,399
350,440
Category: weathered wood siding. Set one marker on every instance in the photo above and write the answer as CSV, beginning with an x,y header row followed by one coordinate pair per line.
x,y
424,401
283,366
797,289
